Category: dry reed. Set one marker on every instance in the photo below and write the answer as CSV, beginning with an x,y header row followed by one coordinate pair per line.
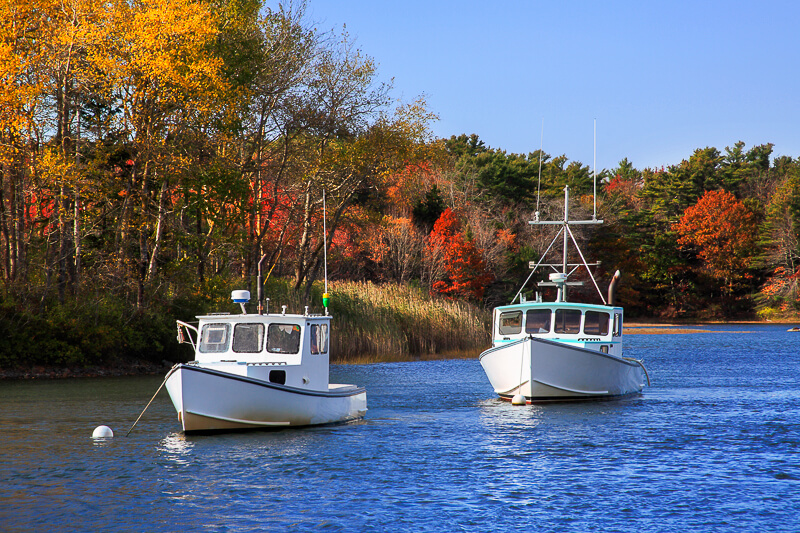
x,y
392,322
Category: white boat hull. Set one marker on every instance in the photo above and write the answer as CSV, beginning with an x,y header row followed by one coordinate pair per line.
x,y
544,370
211,400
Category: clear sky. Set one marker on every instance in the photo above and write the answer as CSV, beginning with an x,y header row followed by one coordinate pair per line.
x,y
660,78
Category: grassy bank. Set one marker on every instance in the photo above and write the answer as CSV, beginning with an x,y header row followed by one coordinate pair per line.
x,y
397,321
391,321
103,335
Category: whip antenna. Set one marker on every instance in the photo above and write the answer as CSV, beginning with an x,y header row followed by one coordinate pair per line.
x,y
594,171
539,184
325,295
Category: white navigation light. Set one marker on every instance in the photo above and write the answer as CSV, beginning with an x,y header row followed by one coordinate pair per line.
x,y
102,432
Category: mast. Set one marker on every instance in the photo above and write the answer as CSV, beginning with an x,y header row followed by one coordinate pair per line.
x,y
566,227
325,296
594,171
559,279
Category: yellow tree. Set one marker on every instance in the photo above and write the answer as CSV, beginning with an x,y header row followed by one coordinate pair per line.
x,y
281,63
155,60
72,24
352,165
24,30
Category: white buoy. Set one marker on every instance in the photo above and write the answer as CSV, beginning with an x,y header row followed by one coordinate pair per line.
x,y
518,399
102,432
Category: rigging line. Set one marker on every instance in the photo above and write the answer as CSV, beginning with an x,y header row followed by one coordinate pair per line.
x,y
153,398
587,266
631,359
533,270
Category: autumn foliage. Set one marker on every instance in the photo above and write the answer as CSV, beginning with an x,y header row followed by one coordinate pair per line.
x,y
152,150
723,232
463,272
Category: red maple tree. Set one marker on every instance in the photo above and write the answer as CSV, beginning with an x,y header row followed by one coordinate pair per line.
x,y
462,272
723,231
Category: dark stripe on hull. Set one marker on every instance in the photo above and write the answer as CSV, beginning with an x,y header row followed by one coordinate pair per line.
x,y
283,388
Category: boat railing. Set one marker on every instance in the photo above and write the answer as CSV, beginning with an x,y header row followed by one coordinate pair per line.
x,y
503,346
185,334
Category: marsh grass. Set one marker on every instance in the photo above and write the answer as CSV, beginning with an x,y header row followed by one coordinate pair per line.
x,y
391,322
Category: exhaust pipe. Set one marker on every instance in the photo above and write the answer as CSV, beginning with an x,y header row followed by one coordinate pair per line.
x,y
612,288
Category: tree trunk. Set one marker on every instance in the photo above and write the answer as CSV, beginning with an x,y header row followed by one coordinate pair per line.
x,y
144,229
303,256
201,261
4,226
162,210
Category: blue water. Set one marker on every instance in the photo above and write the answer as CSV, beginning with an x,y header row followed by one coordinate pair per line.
x,y
712,445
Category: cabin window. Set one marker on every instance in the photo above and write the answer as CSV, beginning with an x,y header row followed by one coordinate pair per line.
x,y
537,321
319,338
510,322
568,321
283,338
214,338
248,338
596,323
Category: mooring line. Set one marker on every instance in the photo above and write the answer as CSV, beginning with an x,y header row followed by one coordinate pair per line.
x,y
153,398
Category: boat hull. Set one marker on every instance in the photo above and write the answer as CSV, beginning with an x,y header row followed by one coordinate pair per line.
x,y
212,400
544,370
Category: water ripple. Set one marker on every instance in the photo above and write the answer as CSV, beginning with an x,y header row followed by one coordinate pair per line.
x,y
711,446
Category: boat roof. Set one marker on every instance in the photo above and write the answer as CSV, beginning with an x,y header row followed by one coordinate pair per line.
x,y
559,305
266,317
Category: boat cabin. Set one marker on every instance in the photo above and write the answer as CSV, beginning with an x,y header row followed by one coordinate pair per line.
x,y
595,327
287,349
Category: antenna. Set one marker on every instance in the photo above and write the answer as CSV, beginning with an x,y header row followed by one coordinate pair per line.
x,y
539,185
594,171
325,295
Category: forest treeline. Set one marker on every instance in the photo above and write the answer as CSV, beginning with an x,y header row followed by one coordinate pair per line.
x,y
154,154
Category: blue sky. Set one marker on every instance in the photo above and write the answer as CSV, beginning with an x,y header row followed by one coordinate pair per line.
x,y
660,78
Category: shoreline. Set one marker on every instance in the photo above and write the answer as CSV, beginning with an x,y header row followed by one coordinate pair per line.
x,y
678,327
661,330
145,368
127,369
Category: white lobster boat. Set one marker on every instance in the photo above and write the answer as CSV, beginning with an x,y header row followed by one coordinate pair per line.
x,y
259,371
560,350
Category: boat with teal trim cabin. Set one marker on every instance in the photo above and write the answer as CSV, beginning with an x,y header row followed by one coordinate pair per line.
x,y
561,350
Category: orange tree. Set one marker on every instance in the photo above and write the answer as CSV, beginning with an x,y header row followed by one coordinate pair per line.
x,y
722,231
457,269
